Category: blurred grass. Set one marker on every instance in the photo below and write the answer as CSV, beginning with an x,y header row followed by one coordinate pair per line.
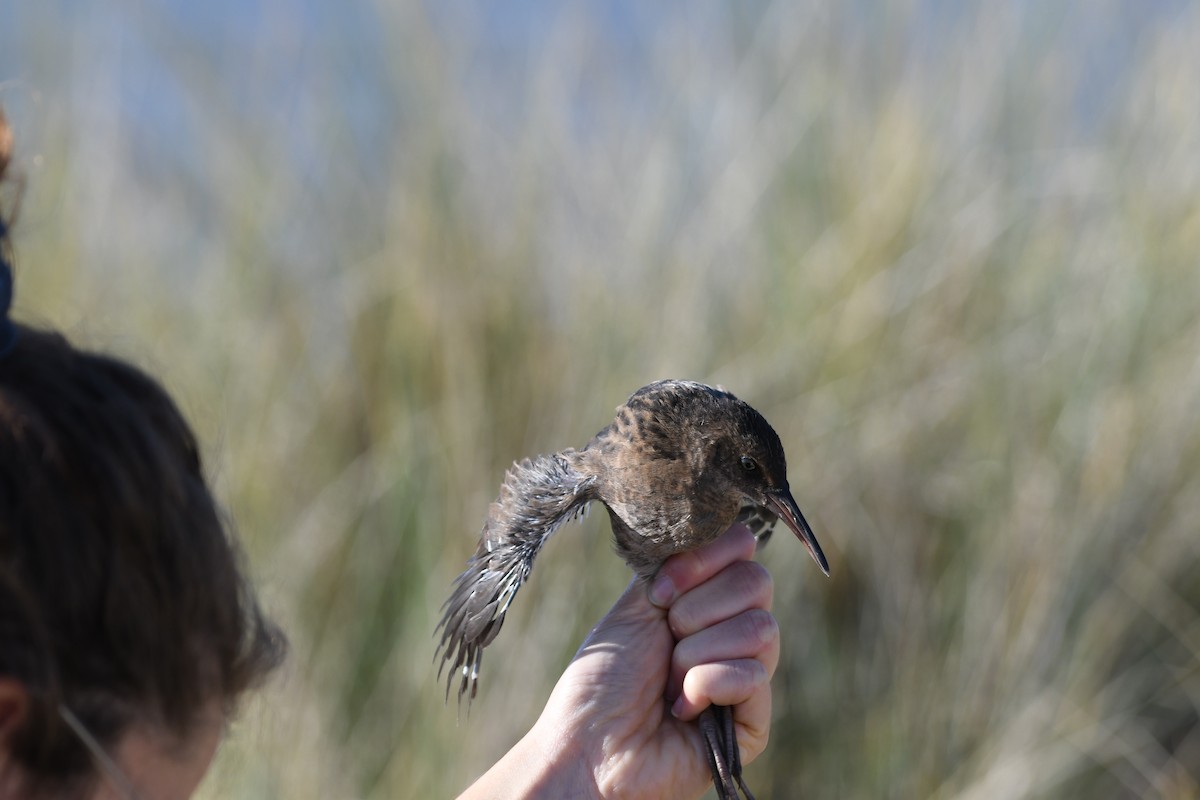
x,y
951,257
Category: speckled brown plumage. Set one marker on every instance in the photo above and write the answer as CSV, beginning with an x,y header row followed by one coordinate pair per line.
x,y
677,466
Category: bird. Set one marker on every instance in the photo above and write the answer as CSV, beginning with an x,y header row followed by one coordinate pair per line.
x,y
679,464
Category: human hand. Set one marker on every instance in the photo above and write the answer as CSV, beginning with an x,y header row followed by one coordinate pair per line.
x,y
622,714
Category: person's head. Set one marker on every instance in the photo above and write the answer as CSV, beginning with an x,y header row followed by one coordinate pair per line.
x,y
125,619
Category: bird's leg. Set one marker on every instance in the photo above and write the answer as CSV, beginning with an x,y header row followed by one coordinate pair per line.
x,y
733,754
712,729
724,756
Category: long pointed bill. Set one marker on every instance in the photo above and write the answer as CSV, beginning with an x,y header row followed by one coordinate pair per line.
x,y
781,503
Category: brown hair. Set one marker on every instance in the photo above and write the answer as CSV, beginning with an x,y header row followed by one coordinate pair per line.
x,y
121,592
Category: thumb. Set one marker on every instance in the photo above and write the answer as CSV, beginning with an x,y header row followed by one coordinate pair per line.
x,y
631,619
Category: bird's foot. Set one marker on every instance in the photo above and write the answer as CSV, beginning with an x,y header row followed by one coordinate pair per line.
x,y
724,758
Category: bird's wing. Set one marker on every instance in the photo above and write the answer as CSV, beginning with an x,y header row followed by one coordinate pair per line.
x,y
537,497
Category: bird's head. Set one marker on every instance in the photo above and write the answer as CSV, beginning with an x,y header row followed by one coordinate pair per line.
x,y
749,456
742,454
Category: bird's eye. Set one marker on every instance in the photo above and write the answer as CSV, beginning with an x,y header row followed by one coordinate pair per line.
x,y
749,464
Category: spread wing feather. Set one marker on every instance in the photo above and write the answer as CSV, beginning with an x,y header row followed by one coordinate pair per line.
x,y
537,497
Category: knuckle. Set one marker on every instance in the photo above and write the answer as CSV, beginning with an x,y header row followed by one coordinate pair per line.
x,y
680,621
763,626
686,569
737,681
755,582
754,673
681,664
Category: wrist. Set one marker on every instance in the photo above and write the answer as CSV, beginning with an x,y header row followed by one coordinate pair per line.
x,y
566,769
546,763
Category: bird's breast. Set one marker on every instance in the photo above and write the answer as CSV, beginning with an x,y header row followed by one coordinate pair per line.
x,y
660,502
648,530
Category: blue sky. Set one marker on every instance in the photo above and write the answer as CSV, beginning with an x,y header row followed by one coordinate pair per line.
x,y
263,56
327,92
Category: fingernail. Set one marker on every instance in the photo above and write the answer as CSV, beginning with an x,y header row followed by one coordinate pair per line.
x,y
662,591
677,707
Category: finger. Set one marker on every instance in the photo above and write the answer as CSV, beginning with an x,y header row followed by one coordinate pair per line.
x,y
683,571
727,683
751,634
751,717
739,587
